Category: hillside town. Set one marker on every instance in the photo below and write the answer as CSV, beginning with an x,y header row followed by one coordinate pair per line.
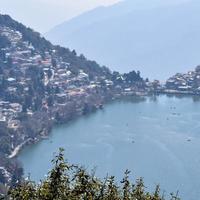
x,y
42,85
24,62
188,83
181,83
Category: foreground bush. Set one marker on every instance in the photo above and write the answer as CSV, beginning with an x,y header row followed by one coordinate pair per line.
x,y
70,182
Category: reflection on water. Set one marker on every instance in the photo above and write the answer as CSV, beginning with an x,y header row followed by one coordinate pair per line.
x,y
156,138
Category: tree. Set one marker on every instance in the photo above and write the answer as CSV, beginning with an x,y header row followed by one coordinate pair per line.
x,y
49,73
54,63
2,177
9,62
37,103
74,53
4,42
71,182
28,101
2,54
50,100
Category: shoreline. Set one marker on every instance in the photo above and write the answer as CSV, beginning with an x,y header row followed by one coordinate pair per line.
x,y
18,148
47,130
31,141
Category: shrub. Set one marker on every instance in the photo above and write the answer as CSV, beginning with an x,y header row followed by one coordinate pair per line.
x,y
71,182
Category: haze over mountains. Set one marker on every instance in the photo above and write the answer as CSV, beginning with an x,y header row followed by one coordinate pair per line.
x,y
157,37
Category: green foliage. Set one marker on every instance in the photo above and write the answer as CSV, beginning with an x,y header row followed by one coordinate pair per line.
x,y
4,42
70,182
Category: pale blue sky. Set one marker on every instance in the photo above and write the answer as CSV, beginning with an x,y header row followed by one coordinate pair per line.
x,y
42,15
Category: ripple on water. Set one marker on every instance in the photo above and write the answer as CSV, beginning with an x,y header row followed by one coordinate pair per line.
x,y
145,137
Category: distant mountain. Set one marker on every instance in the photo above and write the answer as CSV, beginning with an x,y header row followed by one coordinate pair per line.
x,y
156,37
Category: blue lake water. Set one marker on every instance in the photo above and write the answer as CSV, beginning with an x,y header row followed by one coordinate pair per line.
x,y
156,138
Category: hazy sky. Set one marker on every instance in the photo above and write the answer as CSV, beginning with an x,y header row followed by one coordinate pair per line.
x,y
42,15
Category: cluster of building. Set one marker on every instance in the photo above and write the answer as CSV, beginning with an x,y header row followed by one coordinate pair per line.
x,y
69,86
23,56
15,80
9,112
188,83
56,74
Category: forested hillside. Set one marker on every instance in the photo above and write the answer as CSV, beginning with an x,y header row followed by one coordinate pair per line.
x,y
42,85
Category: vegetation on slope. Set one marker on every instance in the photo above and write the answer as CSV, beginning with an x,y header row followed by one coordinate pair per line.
x,y
41,85
42,45
70,182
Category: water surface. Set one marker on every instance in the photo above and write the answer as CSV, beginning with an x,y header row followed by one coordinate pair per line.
x,y
157,138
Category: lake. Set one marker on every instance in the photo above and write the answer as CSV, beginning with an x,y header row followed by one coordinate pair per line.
x,y
157,138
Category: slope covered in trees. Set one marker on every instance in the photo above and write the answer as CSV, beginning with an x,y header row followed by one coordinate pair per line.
x,y
42,85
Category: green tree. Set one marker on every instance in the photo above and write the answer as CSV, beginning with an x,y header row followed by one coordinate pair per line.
x,y
70,182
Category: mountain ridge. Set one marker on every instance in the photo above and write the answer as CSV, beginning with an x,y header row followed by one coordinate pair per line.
x,y
108,41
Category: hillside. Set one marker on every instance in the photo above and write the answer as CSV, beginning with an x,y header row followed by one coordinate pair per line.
x,y
42,85
157,37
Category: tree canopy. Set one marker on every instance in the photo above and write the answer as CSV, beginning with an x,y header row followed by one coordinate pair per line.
x,y
71,182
